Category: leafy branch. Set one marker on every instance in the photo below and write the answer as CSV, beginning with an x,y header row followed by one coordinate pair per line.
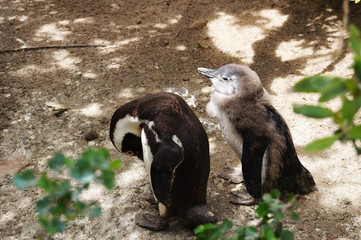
x,y
62,199
271,210
329,88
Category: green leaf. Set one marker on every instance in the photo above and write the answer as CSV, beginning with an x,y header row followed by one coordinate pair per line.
x,y
291,197
103,159
49,224
115,164
70,214
57,162
333,89
97,158
24,179
84,163
276,205
267,198
357,67
204,227
82,175
59,207
322,143
357,101
43,206
240,233
79,207
287,235
275,193
62,199
278,215
199,229
355,132
108,179
348,109
46,184
315,83
355,39
295,217
104,153
208,232
95,212
351,85
75,194
269,234
60,225
262,209
226,225
251,233
312,111
212,232
279,229
63,189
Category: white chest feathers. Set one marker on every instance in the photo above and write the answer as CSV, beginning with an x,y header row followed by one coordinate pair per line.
x,y
233,136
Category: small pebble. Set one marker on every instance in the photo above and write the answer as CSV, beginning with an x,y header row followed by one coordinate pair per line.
x,y
91,135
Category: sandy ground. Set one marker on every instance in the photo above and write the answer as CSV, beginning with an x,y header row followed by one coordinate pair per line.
x,y
93,56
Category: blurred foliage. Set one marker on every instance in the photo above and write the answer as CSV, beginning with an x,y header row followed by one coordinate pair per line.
x,y
61,202
329,88
271,210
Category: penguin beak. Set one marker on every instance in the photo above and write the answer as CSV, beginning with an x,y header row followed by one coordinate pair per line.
x,y
210,73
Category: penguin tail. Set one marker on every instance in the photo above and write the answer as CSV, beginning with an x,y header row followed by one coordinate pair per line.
x,y
200,214
304,182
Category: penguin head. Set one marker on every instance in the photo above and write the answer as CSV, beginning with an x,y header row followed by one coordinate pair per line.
x,y
231,78
132,145
125,135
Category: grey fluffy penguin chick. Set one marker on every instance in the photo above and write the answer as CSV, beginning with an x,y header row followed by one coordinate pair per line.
x,y
162,130
257,133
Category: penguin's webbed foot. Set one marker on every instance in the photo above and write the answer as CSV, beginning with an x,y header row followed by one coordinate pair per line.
x,y
151,222
200,214
243,198
232,174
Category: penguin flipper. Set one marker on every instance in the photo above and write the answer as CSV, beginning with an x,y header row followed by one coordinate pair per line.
x,y
253,156
166,160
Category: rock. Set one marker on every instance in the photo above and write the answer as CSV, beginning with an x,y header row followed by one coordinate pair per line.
x,y
91,135
199,24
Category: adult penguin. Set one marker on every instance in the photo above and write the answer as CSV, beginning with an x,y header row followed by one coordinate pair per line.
x,y
163,131
257,133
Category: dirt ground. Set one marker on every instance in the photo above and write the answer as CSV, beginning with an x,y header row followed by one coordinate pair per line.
x,y
93,56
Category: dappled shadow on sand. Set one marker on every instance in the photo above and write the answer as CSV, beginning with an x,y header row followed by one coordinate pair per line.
x,y
93,56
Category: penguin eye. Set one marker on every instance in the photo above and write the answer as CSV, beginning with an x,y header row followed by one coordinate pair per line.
x,y
129,153
225,78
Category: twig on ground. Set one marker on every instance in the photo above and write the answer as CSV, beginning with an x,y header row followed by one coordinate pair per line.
x,y
50,47
28,163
